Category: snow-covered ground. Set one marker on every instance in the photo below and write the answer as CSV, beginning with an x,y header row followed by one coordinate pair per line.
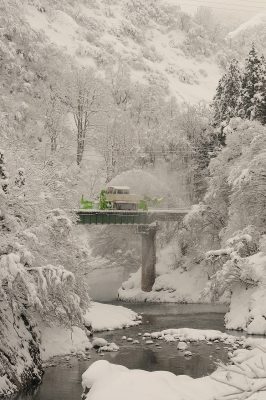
x,y
59,340
244,379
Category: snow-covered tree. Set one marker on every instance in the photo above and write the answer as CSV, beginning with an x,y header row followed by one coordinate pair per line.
x,y
261,96
54,115
252,84
120,85
3,173
226,99
83,96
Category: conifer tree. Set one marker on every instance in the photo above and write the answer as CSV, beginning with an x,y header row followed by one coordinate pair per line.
x,y
3,173
226,100
252,84
261,96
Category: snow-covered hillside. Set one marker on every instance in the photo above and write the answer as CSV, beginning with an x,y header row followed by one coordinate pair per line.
x,y
251,31
150,42
258,20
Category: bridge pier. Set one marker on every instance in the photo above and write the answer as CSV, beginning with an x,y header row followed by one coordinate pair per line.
x,y
146,221
148,238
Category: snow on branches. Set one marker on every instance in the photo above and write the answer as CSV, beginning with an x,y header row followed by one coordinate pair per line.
x,y
241,93
48,290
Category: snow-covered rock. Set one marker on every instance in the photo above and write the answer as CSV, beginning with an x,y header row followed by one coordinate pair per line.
x,y
149,342
99,342
182,346
106,317
184,335
110,347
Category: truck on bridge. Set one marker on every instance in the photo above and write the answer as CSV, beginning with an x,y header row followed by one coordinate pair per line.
x,y
119,198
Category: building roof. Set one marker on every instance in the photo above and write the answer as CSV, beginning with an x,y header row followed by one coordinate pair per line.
x,y
119,187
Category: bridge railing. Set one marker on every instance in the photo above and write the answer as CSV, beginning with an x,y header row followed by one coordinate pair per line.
x,y
129,217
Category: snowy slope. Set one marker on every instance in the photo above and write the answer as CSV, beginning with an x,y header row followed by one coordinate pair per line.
x,y
98,36
256,21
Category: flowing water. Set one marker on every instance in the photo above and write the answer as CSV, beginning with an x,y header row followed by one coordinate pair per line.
x,y
63,381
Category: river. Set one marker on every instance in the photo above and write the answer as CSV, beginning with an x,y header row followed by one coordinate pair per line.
x,y
63,381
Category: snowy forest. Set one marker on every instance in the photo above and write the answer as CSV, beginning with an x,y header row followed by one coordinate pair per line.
x,y
98,93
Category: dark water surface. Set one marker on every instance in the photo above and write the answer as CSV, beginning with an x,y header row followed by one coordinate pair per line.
x,y
63,381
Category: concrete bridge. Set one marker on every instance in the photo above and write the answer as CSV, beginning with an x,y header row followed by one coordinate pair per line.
x,y
147,225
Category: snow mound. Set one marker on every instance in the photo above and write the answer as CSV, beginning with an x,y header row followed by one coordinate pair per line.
x,y
193,335
106,317
59,341
245,379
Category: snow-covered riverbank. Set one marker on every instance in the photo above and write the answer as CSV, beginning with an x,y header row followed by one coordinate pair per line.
x,y
58,341
244,379
170,287
246,295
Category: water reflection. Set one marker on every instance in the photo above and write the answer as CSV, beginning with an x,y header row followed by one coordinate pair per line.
x,y
64,381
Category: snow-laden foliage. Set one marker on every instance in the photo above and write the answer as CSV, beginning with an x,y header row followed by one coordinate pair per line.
x,y
231,265
241,92
33,284
227,97
224,235
252,85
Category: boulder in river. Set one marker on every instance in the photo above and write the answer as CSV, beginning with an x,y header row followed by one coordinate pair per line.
x,y
99,342
182,346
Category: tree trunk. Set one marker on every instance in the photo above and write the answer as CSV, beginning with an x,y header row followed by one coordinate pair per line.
x,y
53,144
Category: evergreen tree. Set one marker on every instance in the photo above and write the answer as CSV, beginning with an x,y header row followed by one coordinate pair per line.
x,y
261,96
226,100
252,84
3,173
216,104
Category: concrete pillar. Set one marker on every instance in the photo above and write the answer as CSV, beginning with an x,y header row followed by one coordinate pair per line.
x,y
148,233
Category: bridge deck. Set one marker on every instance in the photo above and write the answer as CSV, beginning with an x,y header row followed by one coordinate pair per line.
x,y
118,217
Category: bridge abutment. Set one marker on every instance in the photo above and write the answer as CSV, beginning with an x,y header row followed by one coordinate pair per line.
x,y
148,273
